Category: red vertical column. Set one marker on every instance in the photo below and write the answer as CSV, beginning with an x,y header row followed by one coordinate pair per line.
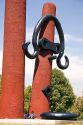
x,y
42,75
13,60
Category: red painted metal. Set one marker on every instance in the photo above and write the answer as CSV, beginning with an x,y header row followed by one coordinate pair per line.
x,y
42,75
13,60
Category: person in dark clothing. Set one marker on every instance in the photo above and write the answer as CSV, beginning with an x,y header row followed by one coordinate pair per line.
x,y
26,115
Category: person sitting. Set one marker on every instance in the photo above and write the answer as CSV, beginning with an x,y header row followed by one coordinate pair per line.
x,y
26,115
32,115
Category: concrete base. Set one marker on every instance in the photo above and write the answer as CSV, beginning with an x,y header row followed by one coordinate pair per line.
x,y
38,122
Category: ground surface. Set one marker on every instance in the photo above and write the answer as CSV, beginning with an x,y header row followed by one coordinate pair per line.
x,y
37,122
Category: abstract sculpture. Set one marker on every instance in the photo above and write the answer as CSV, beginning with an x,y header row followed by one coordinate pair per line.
x,y
43,44
13,61
56,48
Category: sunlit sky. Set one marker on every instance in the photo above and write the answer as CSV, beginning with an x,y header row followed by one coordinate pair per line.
x,y
70,14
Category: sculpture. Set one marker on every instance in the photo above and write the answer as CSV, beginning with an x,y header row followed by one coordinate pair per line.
x,y
44,44
56,48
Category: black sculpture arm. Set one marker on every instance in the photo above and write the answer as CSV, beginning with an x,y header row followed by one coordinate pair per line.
x,y
35,40
27,53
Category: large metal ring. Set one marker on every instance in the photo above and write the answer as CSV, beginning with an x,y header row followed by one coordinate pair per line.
x,y
41,23
44,20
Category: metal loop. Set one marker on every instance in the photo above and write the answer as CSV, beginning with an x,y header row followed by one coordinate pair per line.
x,y
44,20
25,48
61,37
37,30
58,61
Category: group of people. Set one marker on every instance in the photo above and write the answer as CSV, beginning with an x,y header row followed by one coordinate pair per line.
x,y
30,116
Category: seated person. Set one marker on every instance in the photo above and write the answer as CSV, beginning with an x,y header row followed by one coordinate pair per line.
x,y
32,115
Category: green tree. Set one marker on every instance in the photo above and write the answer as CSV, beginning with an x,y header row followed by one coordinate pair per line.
x,y
27,95
78,107
62,96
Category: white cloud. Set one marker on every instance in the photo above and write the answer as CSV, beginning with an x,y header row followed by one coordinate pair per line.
x,y
69,37
75,74
29,70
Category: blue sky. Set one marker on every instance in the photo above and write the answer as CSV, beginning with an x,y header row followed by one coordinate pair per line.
x,y
70,14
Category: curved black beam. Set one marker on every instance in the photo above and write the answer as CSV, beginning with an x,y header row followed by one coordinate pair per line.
x,y
27,53
58,61
44,20
41,23
37,29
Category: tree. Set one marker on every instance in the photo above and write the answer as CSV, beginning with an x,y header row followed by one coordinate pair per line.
x,y
27,95
78,107
62,96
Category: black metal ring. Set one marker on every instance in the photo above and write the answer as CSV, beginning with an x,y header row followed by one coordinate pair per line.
x,y
38,27
35,39
37,30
